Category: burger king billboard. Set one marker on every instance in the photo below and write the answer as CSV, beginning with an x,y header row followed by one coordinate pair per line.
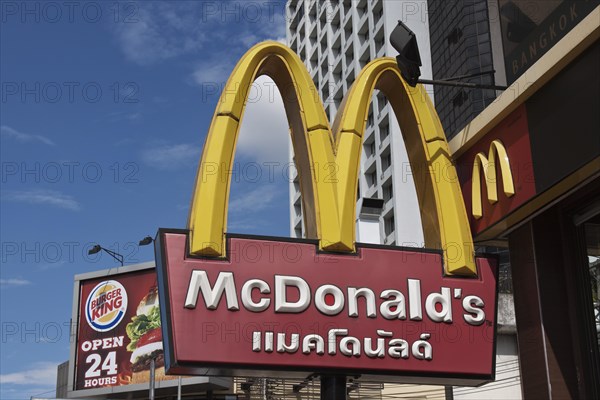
x,y
118,333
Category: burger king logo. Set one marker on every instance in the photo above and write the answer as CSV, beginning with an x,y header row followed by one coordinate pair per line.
x,y
106,305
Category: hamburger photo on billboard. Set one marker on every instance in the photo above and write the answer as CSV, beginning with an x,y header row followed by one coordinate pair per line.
x,y
145,337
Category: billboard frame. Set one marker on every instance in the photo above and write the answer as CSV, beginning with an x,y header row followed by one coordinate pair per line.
x,y
211,383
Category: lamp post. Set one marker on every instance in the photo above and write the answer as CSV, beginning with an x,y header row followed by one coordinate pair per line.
x,y
97,248
152,377
146,241
409,61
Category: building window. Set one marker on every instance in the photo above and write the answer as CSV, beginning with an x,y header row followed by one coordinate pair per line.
x,y
349,78
386,161
461,98
388,191
361,8
349,56
294,45
312,37
325,89
365,58
384,130
348,30
371,177
370,147
336,47
377,12
363,33
379,40
454,36
389,224
381,101
335,21
312,14
300,14
316,79
313,62
337,98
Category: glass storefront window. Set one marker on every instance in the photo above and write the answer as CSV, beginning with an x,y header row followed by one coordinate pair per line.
x,y
592,241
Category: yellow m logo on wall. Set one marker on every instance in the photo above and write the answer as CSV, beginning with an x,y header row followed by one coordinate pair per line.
x,y
497,155
330,205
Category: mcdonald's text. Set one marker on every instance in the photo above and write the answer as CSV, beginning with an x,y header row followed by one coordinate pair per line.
x,y
329,299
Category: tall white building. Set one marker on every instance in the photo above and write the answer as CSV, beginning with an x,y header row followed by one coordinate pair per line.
x,y
336,39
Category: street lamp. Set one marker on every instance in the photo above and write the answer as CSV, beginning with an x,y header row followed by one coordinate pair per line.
x,y
408,58
146,241
97,248
409,62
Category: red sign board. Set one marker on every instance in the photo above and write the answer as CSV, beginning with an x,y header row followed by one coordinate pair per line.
x,y
279,307
513,132
119,331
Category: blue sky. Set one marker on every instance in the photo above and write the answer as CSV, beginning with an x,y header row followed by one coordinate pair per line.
x,y
104,111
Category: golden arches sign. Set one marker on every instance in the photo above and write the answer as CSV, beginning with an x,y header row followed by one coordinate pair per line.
x,y
330,205
496,155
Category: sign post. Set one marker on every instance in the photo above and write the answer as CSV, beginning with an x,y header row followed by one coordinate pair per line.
x,y
152,375
333,387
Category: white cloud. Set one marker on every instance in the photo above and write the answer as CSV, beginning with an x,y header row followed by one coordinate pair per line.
x,y
253,201
171,156
220,30
8,132
46,197
264,134
212,72
42,373
14,392
14,282
119,116
160,31
219,66
51,265
240,225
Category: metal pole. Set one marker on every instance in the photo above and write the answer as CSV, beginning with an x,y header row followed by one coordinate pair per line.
x,y
449,393
152,372
179,389
461,84
333,387
455,78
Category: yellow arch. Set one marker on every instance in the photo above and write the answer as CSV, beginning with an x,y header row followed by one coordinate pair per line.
x,y
330,204
488,165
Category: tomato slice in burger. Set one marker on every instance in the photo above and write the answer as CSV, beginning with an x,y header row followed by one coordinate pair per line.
x,y
155,335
